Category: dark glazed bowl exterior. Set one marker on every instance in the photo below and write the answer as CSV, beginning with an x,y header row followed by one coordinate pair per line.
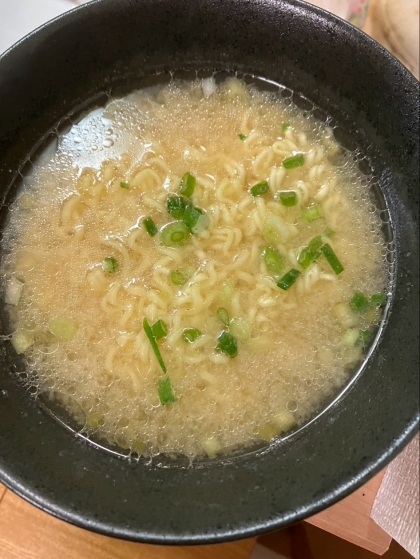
x,y
105,45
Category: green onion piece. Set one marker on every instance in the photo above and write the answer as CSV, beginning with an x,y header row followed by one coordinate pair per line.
x,y
174,234
178,278
154,345
202,223
285,126
223,316
329,232
191,334
273,259
312,213
176,206
227,344
242,137
350,337
260,189
191,216
240,329
359,303
378,300
332,259
165,391
315,244
294,161
288,198
310,253
275,230
110,265
63,327
159,330
305,258
187,185
124,185
288,279
22,340
227,292
363,338
150,226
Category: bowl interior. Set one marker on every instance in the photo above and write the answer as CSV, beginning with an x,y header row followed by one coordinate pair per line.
x,y
105,48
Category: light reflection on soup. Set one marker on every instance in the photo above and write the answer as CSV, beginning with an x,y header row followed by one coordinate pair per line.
x,y
214,232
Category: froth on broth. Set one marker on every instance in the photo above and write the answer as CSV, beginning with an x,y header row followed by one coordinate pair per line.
x,y
215,232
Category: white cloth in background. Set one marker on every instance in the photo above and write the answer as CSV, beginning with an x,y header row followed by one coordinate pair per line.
x,y
20,17
396,507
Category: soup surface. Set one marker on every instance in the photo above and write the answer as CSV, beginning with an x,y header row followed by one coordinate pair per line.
x,y
196,267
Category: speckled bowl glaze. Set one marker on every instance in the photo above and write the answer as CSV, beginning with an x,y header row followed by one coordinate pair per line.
x,y
106,45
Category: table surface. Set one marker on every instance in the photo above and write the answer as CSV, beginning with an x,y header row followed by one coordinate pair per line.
x,y
28,533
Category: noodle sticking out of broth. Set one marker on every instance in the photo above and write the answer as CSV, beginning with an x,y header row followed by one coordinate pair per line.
x,y
207,281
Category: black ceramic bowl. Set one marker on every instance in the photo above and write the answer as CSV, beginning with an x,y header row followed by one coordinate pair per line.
x,y
107,45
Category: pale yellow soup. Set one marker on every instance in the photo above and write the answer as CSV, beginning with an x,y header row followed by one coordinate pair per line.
x,y
79,323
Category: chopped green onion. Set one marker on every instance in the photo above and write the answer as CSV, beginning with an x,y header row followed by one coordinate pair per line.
x,y
176,206
350,337
211,446
273,259
378,300
227,292
312,213
63,327
191,216
187,185
288,198
242,137
363,338
332,259
284,420
124,185
191,334
372,315
306,258
110,264
315,244
202,223
285,126
288,279
13,291
359,303
154,345
345,315
310,253
240,329
275,230
351,355
223,316
22,340
174,234
294,161
159,330
165,391
269,431
178,278
227,344
260,189
329,232
150,226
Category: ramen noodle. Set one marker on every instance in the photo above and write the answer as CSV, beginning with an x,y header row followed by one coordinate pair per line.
x,y
197,266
